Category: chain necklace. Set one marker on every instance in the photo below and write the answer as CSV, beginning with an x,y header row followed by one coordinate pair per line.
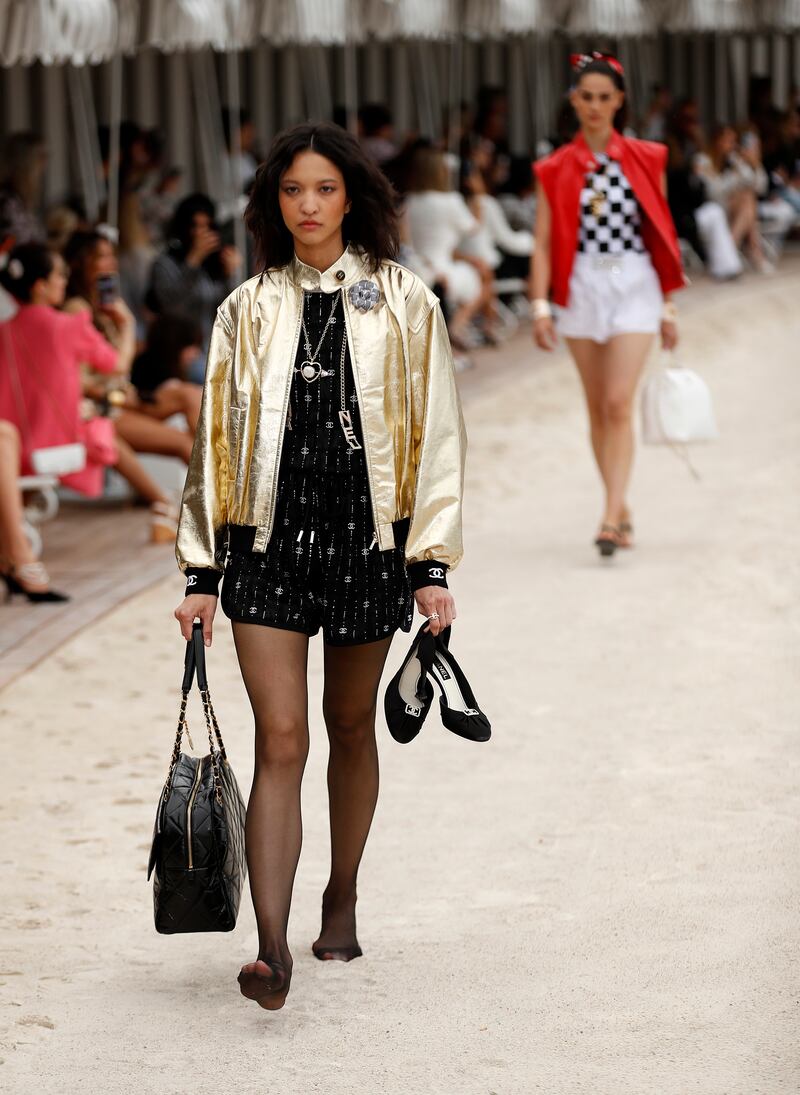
x,y
311,369
345,418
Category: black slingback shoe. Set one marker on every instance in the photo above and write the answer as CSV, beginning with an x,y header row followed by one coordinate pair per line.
x,y
459,708
409,694
32,572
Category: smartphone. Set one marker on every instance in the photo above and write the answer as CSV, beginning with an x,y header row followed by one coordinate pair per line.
x,y
749,140
107,288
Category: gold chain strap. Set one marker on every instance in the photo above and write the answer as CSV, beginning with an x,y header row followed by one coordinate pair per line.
x,y
208,711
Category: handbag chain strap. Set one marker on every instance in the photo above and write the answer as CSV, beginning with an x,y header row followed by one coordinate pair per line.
x,y
195,661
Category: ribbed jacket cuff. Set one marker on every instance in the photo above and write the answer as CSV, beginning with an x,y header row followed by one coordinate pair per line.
x,y
202,580
426,573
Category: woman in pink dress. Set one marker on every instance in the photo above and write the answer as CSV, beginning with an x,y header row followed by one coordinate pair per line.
x,y
40,406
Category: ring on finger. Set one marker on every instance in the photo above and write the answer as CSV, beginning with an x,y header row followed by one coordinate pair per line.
x,y
434,616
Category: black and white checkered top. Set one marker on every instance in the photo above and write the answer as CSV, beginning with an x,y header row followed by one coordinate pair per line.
x,y
612,225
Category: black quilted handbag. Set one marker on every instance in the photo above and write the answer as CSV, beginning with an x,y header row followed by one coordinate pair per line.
x,y
197,857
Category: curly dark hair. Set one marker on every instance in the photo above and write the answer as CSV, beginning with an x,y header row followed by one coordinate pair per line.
x,y
371,225
78,250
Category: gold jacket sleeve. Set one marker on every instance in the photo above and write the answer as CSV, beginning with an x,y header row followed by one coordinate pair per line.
x,y
439,442
204,505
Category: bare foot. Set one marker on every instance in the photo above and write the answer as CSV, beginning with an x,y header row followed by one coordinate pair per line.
x,y
337,940
265,982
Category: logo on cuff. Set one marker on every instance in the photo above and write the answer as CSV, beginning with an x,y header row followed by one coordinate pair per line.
x,y
191,580
436,572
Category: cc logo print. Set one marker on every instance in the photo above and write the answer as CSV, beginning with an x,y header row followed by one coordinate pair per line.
x,y
436,572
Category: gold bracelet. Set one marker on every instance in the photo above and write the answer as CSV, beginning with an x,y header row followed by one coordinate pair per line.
x,y
669,313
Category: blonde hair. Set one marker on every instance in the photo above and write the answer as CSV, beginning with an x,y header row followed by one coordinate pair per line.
x,y
428,171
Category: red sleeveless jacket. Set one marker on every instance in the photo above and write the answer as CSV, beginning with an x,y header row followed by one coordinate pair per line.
x,y
562,176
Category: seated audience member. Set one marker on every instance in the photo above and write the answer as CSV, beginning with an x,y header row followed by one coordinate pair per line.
x,y
376,132
508,252
699,221
41,351
19,568
783,165
438,219
197,271
21,179
734,178
93,268
654,123
159,373
517,195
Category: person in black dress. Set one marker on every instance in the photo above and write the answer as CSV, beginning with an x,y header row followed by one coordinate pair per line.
x,y
325,491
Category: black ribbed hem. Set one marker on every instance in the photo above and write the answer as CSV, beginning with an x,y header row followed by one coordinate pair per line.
x,y
426,573
202,580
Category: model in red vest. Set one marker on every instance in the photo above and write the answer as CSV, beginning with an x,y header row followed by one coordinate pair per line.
x,y
607,255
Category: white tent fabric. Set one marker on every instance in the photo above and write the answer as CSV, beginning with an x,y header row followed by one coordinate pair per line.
x,y
499,18
53,31
619,18
388,19
707,15
783,14
81,31
309,22
192,24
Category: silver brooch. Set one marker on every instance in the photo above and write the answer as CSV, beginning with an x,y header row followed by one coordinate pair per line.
x,y
364,295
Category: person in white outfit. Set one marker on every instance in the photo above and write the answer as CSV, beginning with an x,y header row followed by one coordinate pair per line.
x,y
735,177
438,220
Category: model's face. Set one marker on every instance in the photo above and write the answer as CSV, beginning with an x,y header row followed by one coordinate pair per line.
x,y
596,100
313,199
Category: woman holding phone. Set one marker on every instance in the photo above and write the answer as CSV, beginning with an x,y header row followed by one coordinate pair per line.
x,y
94,287
607,253
325,482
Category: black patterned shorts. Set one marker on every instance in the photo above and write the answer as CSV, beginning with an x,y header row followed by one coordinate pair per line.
x,y
321,568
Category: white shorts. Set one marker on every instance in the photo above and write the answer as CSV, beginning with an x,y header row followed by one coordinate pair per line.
x,y
611,295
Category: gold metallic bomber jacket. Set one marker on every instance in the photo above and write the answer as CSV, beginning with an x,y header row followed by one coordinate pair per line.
x,y
413,429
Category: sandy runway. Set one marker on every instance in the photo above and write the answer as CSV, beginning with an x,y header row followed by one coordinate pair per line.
x,y
601,900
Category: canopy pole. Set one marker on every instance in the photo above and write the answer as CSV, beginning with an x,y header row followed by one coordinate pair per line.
x,y
234,107
351,84
114,125
454,93
83,143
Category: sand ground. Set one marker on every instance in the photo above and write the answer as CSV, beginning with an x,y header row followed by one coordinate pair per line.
x,y
602,900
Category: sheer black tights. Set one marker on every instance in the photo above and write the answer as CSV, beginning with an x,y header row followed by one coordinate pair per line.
x,y
352,676
274,665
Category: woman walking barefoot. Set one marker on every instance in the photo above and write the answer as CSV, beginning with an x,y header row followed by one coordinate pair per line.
x,y
604,196
329,453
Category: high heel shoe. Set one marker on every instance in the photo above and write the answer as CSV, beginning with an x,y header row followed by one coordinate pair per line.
x,y
163,522
409,694
607,540
31,572
459,708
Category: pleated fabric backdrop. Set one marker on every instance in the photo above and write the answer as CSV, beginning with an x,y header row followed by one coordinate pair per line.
x,y
421,78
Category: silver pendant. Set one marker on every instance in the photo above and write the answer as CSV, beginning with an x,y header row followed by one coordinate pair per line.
x,y
346,422
310,371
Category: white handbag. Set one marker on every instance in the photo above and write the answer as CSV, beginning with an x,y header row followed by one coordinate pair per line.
x,y
676,406
59,460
